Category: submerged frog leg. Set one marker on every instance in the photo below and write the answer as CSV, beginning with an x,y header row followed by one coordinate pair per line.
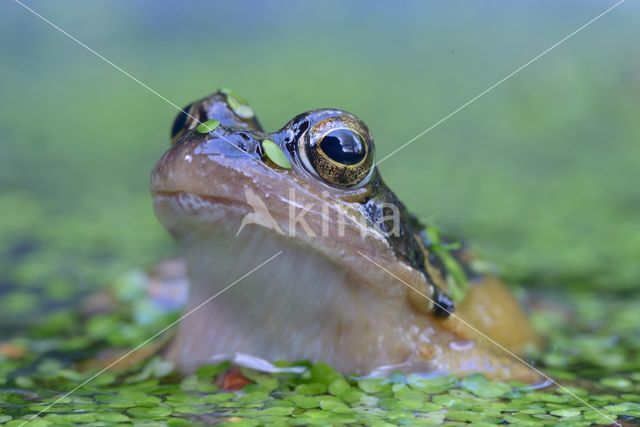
x,y
490,314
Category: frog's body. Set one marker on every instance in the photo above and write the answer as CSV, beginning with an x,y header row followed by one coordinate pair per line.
x,y
352,278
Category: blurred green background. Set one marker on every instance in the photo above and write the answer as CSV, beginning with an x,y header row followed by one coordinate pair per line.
x,y
540,174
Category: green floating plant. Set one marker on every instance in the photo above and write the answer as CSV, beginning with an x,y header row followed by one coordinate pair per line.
x,y
457,280
274,153
208,126
239,105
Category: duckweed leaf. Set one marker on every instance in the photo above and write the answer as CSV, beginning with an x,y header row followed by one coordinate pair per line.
x,y
239,105
457,279
338,387
311,389
305,402
335,406
372,385
621,383
566,412
431,385
274,153
208,126
479,385
277,410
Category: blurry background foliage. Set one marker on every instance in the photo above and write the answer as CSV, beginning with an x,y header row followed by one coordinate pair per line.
x,y
541,174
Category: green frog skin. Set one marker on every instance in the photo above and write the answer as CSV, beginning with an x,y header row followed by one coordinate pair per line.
x,y
322,298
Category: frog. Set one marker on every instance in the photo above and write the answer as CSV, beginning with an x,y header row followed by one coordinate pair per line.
x,y
295,249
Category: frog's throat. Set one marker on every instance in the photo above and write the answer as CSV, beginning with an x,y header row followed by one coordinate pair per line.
x,y
303,305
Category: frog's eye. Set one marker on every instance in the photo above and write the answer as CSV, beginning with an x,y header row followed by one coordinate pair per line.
x,y
344,147
339,151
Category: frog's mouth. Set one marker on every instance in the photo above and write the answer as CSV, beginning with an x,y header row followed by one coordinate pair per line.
x,y
234,193
231,199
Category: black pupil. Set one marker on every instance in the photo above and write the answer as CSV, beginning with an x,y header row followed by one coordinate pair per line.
x,y
180,121
344,146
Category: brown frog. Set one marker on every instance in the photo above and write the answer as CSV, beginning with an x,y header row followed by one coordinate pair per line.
x,y
297,250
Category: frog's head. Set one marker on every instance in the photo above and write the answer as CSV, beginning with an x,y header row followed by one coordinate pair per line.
x,y
321,187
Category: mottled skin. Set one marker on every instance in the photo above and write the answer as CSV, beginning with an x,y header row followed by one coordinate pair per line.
x,y
323,298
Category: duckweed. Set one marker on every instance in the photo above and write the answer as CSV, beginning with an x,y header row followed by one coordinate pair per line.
x,y
238,104
50,359
275,154
208,126
457,281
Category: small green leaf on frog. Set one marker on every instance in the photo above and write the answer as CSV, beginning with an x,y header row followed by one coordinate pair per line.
x,y
243,111
275,154
208,126
231,94
239,105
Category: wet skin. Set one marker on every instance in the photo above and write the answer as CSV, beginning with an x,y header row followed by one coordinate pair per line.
x,y
323,298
